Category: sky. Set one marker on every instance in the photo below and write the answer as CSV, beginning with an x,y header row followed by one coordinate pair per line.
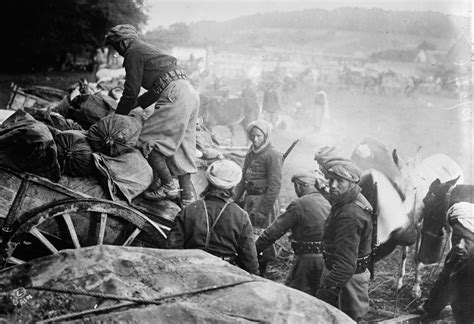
x,y
166,12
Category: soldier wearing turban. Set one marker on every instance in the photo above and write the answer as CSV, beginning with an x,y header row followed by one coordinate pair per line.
x,y
304,217
215,223
346,241
168,136
455,283
261,182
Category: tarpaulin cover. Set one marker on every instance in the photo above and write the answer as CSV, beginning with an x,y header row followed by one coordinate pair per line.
x,y
115,134
127,175
27,145
74,153
206,289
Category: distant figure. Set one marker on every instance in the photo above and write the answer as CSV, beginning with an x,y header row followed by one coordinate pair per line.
x,y
321,110
249,91
100,58
271,103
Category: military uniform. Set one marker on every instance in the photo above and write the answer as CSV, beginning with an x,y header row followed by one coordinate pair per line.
x,y
347,242
305,218
261,183
226,233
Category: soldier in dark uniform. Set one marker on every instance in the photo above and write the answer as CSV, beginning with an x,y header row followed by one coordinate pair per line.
x,y
261,183
347,241
215,224
305,218
455,283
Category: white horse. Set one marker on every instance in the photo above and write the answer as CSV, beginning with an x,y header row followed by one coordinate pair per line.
x,y
411,179
413,182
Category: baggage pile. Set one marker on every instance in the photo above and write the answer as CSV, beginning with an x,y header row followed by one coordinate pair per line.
x,y
63,134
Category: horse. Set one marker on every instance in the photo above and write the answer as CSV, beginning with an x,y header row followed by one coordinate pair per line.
x,y
395,227
411,179
440,197
231,112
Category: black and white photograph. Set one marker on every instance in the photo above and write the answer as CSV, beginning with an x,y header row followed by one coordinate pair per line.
x,y
237,161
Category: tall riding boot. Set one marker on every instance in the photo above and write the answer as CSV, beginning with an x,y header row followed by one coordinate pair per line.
x,y
167,188
187,189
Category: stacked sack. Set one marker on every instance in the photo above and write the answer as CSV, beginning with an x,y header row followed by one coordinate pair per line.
x,y
80,138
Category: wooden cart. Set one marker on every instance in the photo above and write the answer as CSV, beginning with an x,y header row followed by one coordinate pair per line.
x,y
39,217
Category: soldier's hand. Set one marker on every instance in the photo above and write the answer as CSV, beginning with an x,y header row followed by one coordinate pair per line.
x,y
330,296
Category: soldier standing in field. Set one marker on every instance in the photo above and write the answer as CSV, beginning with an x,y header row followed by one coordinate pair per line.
x,y
305,218
261,183
347,241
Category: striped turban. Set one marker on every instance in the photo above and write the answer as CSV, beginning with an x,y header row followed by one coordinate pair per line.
x,y
324,154
343,168
119,33
312,177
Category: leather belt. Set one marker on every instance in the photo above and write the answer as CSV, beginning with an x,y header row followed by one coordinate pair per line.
x,y
302,247
361,264
166,78
256,191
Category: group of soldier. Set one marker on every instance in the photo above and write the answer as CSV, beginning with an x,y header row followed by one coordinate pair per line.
x,y
331,222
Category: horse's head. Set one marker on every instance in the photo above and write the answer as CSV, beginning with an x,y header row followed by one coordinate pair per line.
x,y
408,178
435,202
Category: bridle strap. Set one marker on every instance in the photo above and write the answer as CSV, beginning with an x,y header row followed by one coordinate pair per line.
x,y
447,198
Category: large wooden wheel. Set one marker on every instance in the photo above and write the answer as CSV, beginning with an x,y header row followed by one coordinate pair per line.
x,y
76,223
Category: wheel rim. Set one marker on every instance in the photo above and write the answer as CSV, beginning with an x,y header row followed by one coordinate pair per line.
x,y
79,223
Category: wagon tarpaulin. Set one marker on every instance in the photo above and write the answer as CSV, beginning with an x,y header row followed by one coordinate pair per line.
x,y
174,286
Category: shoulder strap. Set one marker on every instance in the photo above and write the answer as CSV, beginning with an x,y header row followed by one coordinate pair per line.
x,y
209,230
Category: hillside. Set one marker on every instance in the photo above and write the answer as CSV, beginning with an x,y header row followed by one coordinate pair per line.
x,y
340,31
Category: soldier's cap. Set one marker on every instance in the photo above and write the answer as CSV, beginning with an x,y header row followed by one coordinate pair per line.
x,y
462,213
224,174
311,177
119,33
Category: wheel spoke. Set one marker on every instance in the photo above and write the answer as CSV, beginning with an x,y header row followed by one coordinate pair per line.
x,y
103,224
132,237
72,230
34,231
15,261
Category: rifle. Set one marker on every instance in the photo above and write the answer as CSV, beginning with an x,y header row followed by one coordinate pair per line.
x,y
288,151
374,232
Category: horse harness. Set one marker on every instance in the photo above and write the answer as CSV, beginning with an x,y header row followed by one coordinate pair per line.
x,y
232,258
447,198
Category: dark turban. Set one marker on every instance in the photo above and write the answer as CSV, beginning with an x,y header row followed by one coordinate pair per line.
x,y
343,168
119,33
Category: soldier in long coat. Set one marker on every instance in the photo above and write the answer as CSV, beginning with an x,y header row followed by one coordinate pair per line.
x,y
305,218
347,241
261,183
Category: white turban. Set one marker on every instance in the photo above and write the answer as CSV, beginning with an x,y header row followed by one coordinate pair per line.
x,y
463,213
224,174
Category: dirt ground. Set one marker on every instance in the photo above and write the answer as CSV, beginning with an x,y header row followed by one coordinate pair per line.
x,y
399,122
